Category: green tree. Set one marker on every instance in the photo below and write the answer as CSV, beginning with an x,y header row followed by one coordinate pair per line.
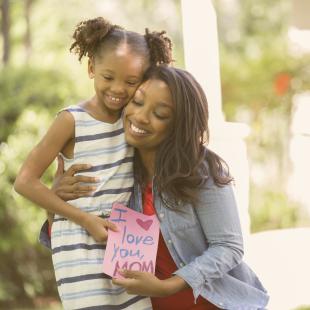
x,y
259,76
30,99
5,30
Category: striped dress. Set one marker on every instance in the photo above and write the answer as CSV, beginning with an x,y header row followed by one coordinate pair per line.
x,y
77,257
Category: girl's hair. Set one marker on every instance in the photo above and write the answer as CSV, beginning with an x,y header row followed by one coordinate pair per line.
x,y
183,163
94,36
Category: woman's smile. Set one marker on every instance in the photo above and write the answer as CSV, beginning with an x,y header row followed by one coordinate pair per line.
x,y
137,130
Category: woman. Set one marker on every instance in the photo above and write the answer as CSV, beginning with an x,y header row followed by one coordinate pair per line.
x,y
199,261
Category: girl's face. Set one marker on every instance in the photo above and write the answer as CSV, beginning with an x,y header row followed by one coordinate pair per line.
x,y
116,74
149,115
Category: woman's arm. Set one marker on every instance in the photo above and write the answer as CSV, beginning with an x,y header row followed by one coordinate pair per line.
x,y
69,186
147,284
29,185
219,220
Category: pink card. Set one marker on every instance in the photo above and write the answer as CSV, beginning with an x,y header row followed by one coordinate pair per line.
x,y
134,246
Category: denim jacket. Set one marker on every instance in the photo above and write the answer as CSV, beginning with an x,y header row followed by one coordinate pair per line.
x,y
206,244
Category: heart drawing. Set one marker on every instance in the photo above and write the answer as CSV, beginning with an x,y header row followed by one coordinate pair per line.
x,y
144,224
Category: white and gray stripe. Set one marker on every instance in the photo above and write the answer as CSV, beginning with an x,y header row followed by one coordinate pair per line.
x,y
77,257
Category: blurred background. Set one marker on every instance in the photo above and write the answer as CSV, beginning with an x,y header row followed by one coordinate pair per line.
x,y
264,64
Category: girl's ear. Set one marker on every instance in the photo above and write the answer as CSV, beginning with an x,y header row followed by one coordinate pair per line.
x,y
91,68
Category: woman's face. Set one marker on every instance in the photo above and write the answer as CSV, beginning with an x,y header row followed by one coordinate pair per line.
x,y
149,115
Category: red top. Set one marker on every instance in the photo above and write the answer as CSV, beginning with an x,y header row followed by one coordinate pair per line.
x,y
165,266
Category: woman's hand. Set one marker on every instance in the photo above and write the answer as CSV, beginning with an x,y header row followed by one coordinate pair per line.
x,y
68,186
98,227
146,284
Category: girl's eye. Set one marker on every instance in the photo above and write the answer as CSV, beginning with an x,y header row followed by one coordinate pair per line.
x,y
108,78
132,83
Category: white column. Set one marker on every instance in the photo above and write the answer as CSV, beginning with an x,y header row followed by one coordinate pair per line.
x,y
298,186
202,60
201,51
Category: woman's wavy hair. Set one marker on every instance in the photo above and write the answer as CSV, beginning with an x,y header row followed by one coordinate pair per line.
x,y
183,163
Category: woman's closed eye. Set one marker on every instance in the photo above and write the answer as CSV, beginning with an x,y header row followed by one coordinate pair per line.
x,y
137,102
161,116
162,112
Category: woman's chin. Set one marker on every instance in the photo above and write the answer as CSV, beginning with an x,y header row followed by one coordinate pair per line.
x,y
132,140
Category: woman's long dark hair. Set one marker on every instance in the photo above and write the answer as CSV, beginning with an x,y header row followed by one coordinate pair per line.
x,y
183,163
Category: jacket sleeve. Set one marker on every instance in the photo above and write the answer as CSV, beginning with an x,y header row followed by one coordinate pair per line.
x,y
219,220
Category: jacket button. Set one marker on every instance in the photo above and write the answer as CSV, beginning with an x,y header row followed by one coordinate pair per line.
x,y
169,241
181,264
161,215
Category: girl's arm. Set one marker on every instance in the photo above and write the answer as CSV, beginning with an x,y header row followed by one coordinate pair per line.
x,y
29,185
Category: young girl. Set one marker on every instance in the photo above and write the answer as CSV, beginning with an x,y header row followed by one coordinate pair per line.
x,y
92,132
199,260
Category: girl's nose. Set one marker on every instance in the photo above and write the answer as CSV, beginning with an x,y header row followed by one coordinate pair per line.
x,y
117,88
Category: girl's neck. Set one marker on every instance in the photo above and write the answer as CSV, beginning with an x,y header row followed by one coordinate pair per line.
x,y
101,112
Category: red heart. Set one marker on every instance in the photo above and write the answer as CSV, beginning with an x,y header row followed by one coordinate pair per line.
x,y
144,224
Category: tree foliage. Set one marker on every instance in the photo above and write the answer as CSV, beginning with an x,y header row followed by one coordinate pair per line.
x,y
260,74
30,99
25,87
259,77
38,77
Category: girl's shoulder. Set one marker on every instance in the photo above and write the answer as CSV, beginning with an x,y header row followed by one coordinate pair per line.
x,y
79,113
73,109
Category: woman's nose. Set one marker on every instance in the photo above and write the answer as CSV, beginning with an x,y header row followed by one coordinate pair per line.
x,y
142,116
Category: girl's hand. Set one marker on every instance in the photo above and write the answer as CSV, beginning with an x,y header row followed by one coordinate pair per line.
x,y
98,227
146,284
68,186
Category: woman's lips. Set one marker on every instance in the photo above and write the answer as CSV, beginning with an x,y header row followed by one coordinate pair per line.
x,y
137,130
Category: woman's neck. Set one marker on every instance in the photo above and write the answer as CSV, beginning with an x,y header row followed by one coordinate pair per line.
x,y
148,161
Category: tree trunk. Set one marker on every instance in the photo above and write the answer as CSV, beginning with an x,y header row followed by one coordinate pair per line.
x,y
5,26
27,38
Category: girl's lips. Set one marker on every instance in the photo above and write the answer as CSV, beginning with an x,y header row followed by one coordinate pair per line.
x,y
116,100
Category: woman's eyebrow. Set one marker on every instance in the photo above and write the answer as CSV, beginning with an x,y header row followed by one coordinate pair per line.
x,y
164,105
140,90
